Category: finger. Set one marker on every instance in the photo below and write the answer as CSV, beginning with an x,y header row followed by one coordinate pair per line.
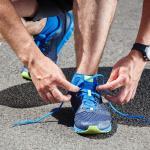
x,y
43,96
50,97
68,86
119,82
42,92
113,75
128,97
111,98
59,96
134,92
120,97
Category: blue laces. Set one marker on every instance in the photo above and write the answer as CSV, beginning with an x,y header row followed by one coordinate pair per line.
x,y
88,105
39,119
90,98
89,101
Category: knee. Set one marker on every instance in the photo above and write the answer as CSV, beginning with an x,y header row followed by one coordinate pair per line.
x,y
25,8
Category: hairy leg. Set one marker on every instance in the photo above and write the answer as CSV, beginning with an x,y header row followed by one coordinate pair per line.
x,y
92,22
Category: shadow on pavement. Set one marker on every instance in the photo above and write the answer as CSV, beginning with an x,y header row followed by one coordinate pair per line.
x,y
25,96
20,96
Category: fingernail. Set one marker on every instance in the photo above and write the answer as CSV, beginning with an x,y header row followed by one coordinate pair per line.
x,y
77,88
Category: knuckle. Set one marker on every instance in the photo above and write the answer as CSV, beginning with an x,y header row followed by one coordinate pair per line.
x,y
111,88
66,98
45,85
52,78
120,100
49,97
125,80
40,88
57,97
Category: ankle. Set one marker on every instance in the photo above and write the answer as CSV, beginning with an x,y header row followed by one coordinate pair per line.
x,y
42,24
88,72
35,28
87,68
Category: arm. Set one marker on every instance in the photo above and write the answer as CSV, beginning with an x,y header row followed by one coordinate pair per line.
x,y
144,30
127,71
46,80
16,35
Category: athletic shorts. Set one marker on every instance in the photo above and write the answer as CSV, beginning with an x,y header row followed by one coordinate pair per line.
x,y
49,8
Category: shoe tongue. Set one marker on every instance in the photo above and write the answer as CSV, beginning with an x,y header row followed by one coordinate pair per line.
x,y
84,81
89,82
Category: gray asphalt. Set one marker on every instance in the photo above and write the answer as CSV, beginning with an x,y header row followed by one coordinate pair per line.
x,y
19,100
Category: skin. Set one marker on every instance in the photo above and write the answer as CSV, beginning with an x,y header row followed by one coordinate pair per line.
x,y
46,81
89,46
92,23
33,27
127,71
27,8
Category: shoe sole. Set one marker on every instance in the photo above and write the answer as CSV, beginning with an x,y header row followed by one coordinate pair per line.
x,y
93,130
25,74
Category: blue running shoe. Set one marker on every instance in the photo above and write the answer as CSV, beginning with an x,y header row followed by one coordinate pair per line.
x,y
91,115
56,33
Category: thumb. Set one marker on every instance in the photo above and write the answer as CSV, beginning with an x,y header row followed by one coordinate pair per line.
x,y
69,86
113,76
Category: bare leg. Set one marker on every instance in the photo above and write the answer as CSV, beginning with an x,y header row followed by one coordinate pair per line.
x,y
34,27
92,22
27,8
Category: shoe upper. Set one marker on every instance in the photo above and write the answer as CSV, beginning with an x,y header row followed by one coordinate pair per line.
x,y
87,104
47,39
50,40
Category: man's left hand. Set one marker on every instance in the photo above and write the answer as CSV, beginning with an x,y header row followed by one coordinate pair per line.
x,y
126,74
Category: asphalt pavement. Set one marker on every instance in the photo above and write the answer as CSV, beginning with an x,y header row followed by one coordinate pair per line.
x,y
19,99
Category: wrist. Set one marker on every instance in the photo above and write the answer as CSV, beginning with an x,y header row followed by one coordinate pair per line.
x,y
30,54
137,57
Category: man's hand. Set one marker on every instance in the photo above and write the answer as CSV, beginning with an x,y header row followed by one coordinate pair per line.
x,y
47,77
126,74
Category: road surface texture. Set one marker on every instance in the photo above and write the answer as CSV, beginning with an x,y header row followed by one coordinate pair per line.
x,y
19,100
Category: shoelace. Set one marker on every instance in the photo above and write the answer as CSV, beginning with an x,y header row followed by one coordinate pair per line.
x,y
56,110
89,102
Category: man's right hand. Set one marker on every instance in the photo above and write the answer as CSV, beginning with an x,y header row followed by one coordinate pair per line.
x,y
47,77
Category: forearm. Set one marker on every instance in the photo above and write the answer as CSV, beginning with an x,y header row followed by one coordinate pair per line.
x,y
15,33
143,36
144,30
